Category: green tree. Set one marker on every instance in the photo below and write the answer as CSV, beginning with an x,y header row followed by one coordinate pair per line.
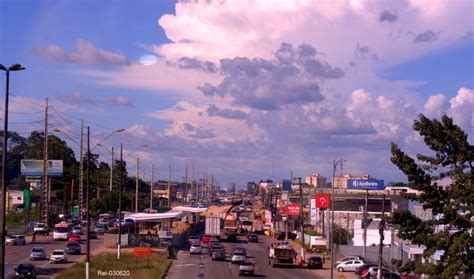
x,y
452,206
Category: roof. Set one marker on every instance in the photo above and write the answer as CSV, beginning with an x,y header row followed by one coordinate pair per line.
x,y
154,216
190,209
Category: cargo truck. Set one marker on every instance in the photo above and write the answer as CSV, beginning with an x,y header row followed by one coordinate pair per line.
x,y
281,253
213,226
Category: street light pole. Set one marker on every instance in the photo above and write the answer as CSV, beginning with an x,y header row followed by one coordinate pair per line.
x,y
301,218
331,230
120,204
15,67
88,247
111,170
136,185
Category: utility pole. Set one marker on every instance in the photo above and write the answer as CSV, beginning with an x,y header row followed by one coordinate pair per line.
x,y
45,191
81,171
364,224
169,185
301,218
111,170
120,203
186,183
88,247
136,185
381,233
151,185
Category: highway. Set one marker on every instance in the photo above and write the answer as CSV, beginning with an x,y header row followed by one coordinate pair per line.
x,y
201,266
21,254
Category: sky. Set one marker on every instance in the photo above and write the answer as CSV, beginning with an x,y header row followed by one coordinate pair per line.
x,y
242,90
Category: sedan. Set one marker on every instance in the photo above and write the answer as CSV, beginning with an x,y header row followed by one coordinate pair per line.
x,y
218,255
195,248
349,265
238,257
58,256
253,238
15,240
349,258
77,230
315,262
38,253
25,271
73,248
100,229
74,238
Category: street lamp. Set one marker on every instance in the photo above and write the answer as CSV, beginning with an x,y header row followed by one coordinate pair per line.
x,y
12,68
331,231
108,136
138,173
111,163
301,216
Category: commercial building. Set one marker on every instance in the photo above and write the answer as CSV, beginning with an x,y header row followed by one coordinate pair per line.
x,y
340,182
316,180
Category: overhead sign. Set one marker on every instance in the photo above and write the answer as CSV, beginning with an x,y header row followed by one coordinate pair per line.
x,y
313,212
35,167
365,184
293,209
142,251
323,200
281,203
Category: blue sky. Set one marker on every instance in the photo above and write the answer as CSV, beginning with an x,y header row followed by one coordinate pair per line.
x,y
231,79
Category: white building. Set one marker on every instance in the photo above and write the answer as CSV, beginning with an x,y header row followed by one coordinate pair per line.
x,y
15,198
340,182
373,236
316,180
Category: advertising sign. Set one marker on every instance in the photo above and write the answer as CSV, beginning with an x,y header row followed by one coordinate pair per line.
x,y
26,198
165,234
268,217
35,167
281,203
323,200
142,251
293,209
313,212
282,211
365,184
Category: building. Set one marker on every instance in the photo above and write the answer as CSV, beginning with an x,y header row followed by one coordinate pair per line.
x,y
340,182
373,234
15,199
316,180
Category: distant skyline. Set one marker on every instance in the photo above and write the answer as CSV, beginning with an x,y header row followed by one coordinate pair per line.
x,y
219,84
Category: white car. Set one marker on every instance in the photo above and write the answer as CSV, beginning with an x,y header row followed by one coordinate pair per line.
x,y
77,230
58,256
246,267
349,265
349,258
15,240
238,257
195,248
37,253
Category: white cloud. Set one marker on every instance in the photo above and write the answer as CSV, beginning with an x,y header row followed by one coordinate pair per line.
x,y
436,105
85,53
462,108
120,101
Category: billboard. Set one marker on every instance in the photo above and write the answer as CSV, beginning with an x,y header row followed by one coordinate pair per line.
x,y
286,185
323,200
365,184
35,167
268,217
293,209
26,198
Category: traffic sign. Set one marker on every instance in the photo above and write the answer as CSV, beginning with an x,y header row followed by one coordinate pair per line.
x,y
281,203
323,200
142,251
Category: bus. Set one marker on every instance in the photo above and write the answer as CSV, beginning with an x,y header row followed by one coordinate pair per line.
x,y
62,231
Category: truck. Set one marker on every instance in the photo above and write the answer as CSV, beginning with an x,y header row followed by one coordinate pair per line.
x,y
213,226
247,225
230,229
281,253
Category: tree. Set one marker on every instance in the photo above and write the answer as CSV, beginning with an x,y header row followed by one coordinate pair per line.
x,y
452,206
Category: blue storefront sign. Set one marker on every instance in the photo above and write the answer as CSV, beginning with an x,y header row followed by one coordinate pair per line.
x,y
365,184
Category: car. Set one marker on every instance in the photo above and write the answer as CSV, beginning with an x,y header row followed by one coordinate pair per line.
x,y
195,248
58,256
246,268
372,271
238,257
25,270
37,253
252,237
100,229
218,255
92,235
349,258
193,238
314,262
349,265
212,242
363,267
205,239
74,238
40,228
73,248
77,230
15,240
215,246
240,249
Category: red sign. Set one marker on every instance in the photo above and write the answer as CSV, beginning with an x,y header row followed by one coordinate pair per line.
x,y
293,209
282,211
323,200
142,251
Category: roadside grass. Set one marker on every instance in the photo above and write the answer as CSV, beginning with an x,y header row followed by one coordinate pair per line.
x,y
127,267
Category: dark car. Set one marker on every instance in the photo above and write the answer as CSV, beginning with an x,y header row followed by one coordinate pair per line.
x,y
315,262
253,238
25,271
218,255
215,247
73,248
92,235
359,269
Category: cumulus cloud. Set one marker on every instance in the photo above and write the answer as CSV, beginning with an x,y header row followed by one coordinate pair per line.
x,y
292,76
426,37
76,98
85,53
213,110
388,16
462,108
435,106
120,101
193,63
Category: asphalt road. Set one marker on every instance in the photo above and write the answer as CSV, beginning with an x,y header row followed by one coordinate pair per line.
x,y
201,266
21,254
